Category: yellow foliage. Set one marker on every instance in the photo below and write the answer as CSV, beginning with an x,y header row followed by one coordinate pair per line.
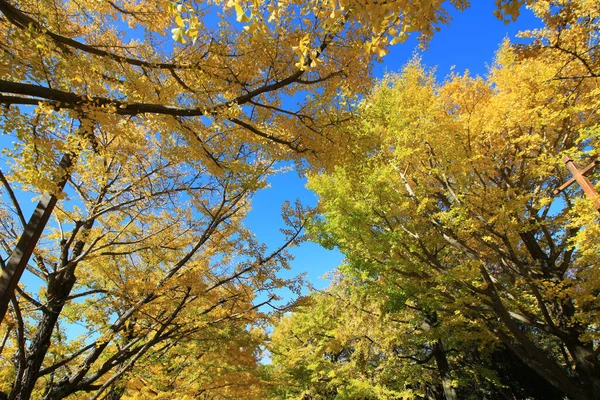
x,y
447,191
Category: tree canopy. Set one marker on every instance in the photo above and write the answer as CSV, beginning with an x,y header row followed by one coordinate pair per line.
x,y
113,61
149,125
361,339
448,194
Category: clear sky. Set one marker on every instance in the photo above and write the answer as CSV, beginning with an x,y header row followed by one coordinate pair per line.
x,y
468,43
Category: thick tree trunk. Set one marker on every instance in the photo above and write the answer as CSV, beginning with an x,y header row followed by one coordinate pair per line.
x,y
529,353
20,256
566,384
586,366
60,285
444,369
59,288
586,363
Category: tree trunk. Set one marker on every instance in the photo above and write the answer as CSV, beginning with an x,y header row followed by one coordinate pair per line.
x,y
444,369
536,358
60,285
20,256
586,366
59,288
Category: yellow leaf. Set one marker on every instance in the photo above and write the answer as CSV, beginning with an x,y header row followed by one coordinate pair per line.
x,y
178,35
241,15
179,20
398,39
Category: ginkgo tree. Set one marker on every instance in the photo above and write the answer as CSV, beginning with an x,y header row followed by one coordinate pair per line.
x,y
80,56
378,339
147,256
451,186
110,61
352,341
167,117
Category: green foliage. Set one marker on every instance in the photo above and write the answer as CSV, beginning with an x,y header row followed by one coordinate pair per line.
x,y
447,194
342,346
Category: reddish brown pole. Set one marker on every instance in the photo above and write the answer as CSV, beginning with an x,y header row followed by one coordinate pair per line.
x,y
584,182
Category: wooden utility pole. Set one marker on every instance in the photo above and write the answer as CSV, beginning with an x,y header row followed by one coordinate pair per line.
x,y
20,256
579,177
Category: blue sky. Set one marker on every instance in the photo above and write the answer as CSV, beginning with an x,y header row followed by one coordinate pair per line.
x,y
468,43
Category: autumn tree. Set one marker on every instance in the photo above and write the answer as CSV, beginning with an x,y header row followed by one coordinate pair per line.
x,y
166,117
112,59
146,257
163,138
352,341
365,338
450,186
